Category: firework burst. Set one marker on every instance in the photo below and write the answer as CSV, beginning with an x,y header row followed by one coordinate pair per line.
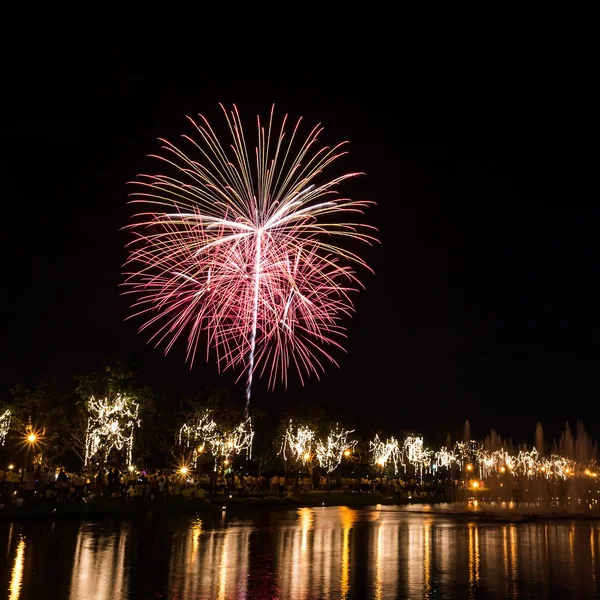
x,y
243,252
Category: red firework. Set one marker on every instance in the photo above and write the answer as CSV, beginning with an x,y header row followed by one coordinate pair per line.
x,y
245,257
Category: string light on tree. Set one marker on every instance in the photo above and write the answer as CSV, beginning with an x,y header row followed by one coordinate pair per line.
x,y
445,458
5,419
205,434
111,425
417,454
384,452
298,443
331,450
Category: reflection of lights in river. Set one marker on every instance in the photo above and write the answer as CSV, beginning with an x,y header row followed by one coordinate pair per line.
x,y
99,564
473,557
379,564
593,554
222,589
306,520
347,517
427,556
16,578
196,531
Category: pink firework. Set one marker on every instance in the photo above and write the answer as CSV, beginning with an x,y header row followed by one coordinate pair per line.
x,y
244,256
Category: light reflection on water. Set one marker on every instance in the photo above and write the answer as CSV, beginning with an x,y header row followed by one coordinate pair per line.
x,y
99,564
334,552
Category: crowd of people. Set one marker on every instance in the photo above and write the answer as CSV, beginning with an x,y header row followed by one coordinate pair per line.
x,y
19,486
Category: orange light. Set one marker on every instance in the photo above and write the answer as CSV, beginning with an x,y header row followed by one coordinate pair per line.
x,y
469,467
31,438
502,469
346,453
306,455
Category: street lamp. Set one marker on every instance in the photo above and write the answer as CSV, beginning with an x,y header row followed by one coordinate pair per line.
x,y
347,454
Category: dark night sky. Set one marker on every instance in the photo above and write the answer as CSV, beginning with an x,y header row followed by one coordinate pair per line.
x,y
485,304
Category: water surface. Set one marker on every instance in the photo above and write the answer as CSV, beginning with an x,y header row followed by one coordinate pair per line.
x,y
331,552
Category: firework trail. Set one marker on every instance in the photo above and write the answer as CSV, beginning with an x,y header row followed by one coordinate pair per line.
x,y
246,253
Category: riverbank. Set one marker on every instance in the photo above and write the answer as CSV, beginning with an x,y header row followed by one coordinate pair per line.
x,y
103,507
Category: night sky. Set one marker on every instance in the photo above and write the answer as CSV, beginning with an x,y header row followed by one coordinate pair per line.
x,y
485,300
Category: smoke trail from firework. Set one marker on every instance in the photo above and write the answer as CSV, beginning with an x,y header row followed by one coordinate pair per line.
x,y
247,253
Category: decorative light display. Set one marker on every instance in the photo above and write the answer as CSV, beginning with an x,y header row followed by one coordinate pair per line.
x,y
330,451
384,452
417,454
474,459
202,431
5,419
526,463
247,248
444,458
111,425
298,443
222,443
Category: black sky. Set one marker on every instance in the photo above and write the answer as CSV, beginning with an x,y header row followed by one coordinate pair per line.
x,y
485,302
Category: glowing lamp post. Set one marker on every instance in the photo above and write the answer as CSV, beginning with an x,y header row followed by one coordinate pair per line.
x,y
347,454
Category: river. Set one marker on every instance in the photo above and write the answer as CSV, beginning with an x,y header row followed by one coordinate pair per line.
x,y
308,553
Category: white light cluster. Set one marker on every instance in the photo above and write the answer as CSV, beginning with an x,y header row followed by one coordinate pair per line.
x,y
5,419
417,454
470,455
384,452
111,424
526,463
222,443
444,458
298,443
330,450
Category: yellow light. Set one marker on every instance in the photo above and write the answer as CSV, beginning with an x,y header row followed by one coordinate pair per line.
x,y
11,467
131,468
306,455
225,462
502,469
183,470
381,462
347,453
475,484
31,437
469,467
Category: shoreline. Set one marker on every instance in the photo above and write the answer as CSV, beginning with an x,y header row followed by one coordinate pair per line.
x,y
120,508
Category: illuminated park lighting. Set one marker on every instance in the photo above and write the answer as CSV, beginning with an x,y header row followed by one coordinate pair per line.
x,y
111,425
298,443
204,433
5,419
333,448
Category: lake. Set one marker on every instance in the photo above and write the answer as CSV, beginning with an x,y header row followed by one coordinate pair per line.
x,y
329,552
